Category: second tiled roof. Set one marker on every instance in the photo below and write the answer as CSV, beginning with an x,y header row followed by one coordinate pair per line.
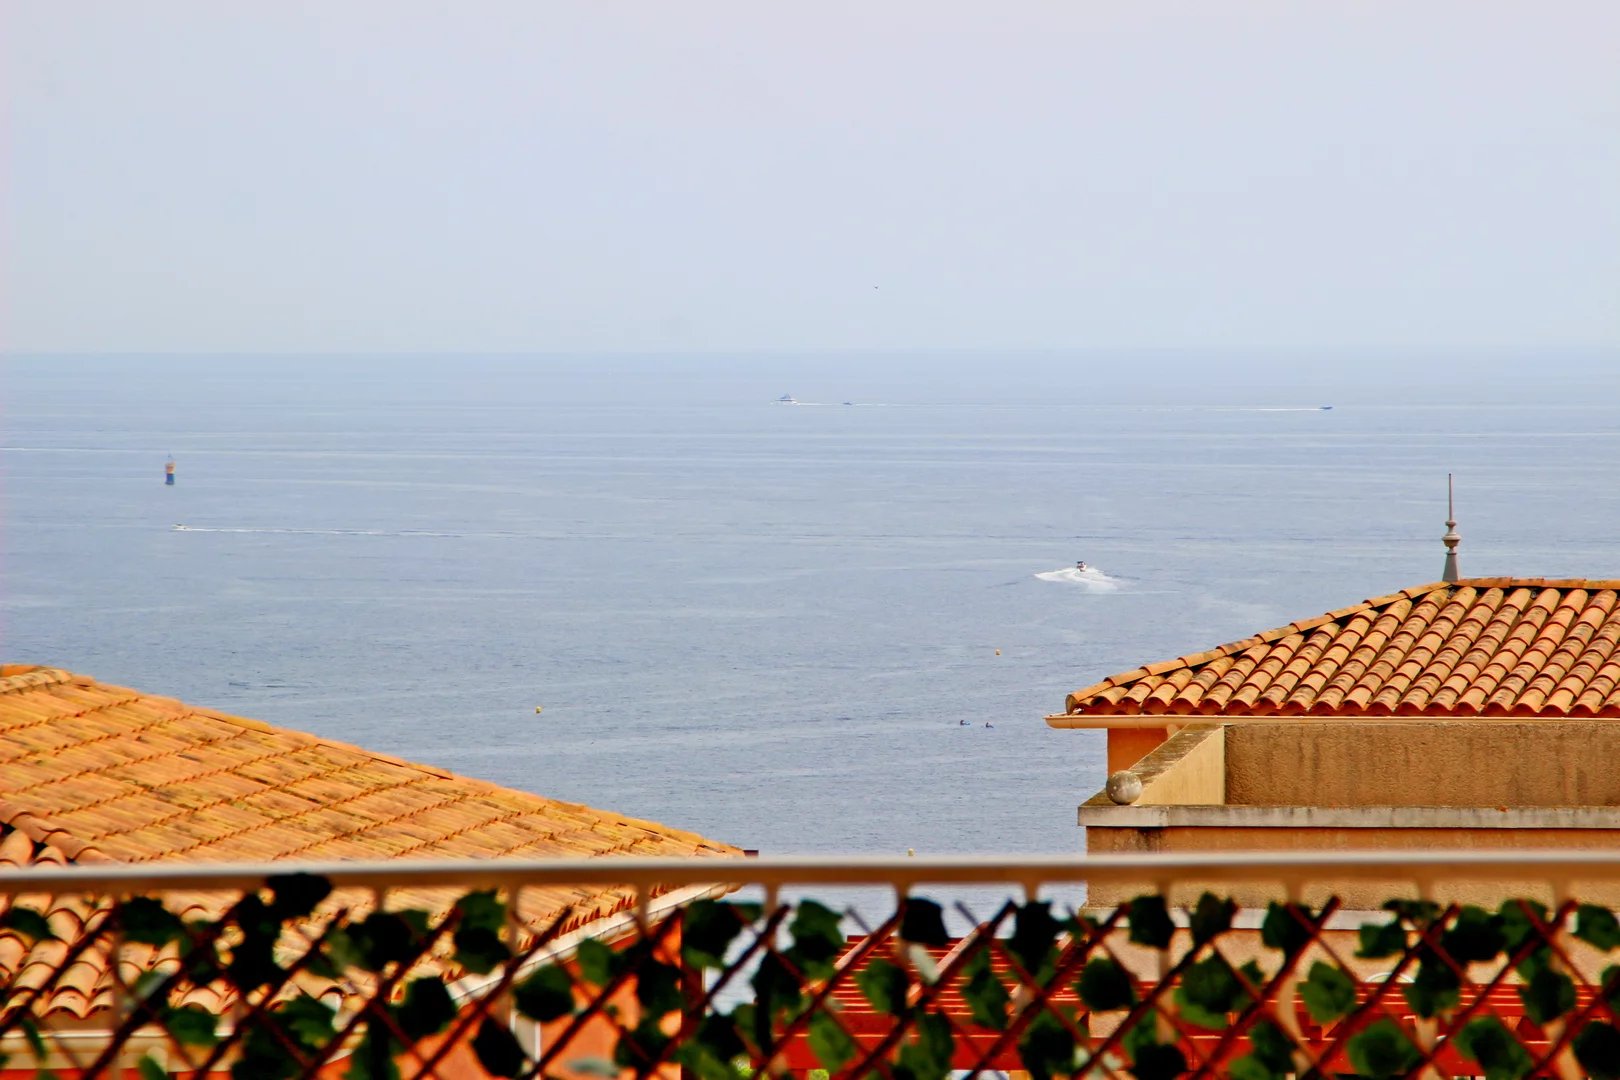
x,y
1511,647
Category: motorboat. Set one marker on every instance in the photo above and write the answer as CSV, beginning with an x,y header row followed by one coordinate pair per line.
x,y
786,399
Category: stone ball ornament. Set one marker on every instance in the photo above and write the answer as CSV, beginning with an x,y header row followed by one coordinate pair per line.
x,y
1124,787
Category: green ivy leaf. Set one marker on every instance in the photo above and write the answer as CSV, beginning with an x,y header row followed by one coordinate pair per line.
x,y
776,988
294,896
1105,985
1597,927
1383,1049
658,987
1272,1046
27,922
927,1055
1209,990
642,1045
817,939
479,950
36,1041
1034,934
146,921
829,1042
987,998
546,995
1597,1048
383,938
1518,926
1210,918
1151,1059
373,1059
1283,929
483,909
1379,941
200,960
1490,1043
481,917
253,963
1609,986
147,1067
1420,913
923,921
1475,936
1328,993
719,1036
427,1008
1549,995
190,1025
497,1049
307,1021
1250,970
883,984
708,927
595,1066
340,952
1250,1067
598,964
1150,922
1433,989
1046,1048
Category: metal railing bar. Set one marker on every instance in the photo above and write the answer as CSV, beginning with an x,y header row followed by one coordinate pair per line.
x,y
834,870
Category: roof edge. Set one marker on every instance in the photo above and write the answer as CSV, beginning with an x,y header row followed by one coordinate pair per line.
x,y
1075,702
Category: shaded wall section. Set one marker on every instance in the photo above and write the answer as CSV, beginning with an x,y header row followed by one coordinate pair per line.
x,y
1485,763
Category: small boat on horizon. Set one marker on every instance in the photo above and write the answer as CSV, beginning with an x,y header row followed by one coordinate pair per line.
x,y
786,399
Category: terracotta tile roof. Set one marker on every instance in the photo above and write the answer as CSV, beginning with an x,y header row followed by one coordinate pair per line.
x,y
1511,647
97,773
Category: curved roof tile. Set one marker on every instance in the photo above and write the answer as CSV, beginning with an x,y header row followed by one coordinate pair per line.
x,y
96,773
1522,647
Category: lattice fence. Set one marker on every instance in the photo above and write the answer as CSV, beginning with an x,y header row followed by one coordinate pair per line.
x,y
283,982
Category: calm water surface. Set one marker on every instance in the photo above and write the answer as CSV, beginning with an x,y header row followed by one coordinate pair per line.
x,y
758,622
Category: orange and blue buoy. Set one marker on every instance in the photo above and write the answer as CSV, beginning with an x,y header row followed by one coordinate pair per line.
x,y
168,472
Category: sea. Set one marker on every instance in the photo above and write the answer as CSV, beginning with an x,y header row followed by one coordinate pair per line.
x,y
645,584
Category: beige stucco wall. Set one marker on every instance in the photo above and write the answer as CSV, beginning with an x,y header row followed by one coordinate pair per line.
x,y
1189,768
1484,763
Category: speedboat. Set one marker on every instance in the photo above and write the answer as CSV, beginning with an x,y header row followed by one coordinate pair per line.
x,y
786,399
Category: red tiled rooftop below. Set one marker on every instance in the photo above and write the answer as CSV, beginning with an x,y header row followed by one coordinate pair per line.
x,y
98,773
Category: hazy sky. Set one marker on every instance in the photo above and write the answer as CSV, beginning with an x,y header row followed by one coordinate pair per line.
x,y
380,175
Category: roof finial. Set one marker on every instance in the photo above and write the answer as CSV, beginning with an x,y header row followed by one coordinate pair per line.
x,y
1451,539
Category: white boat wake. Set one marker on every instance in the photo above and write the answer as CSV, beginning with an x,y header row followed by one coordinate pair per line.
x,y
1091,578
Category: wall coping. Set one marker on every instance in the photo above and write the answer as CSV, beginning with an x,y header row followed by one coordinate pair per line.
x,y
1093,815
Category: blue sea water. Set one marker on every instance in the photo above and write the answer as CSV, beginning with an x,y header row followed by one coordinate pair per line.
x,y
763,623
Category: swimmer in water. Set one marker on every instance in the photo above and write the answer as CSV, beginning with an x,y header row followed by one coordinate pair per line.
x,y
1080,565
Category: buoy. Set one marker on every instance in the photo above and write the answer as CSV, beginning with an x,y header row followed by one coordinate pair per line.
x,y
911,852
537,710
998,652
168,472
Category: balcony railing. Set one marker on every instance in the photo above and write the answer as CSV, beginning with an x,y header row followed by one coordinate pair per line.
x,y
1478,965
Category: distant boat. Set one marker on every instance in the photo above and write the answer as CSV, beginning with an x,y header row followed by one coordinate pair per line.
x,y
849,403
1327,408
786,399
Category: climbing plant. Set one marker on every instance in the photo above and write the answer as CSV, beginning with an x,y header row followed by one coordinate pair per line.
x,y
284,983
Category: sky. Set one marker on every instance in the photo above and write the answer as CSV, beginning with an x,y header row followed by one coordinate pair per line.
x,y
605,176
